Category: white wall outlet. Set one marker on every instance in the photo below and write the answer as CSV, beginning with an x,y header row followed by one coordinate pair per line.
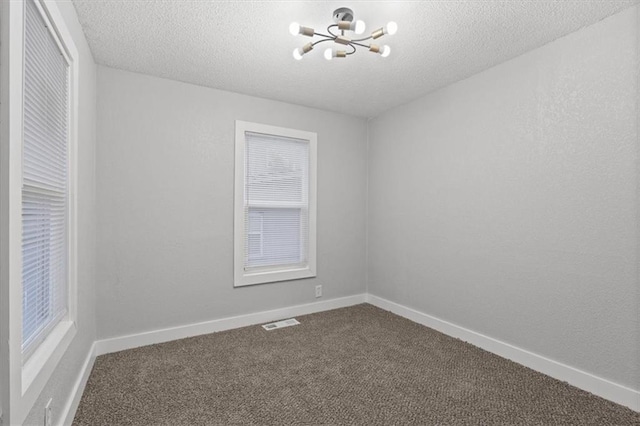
x,y
318,291
47,413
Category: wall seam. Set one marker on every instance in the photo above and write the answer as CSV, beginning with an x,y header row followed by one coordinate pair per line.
x,y
366,210
638,182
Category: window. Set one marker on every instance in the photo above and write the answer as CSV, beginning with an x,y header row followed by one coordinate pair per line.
x,y
275,204
45,181
39,207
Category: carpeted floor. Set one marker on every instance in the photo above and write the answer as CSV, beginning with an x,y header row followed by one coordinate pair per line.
x,y
358,366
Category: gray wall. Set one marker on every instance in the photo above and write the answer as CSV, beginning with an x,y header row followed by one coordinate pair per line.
x,y
165,203
68,370
507,203
4,222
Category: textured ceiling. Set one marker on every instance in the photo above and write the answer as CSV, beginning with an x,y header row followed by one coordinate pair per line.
x,y
245,46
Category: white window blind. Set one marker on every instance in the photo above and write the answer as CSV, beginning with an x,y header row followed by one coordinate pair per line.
x,y
44,181
276,202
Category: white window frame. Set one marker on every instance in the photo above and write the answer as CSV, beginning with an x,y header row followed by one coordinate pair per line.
x,y
27,380
242,277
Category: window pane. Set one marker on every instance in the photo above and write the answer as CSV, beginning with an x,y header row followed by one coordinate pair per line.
x,y
279,241
43,262
277,169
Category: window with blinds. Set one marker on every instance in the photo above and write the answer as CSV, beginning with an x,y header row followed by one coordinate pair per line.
x,y
45,172
275,190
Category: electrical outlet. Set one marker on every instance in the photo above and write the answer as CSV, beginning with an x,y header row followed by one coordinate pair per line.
x,y
47,413
318,291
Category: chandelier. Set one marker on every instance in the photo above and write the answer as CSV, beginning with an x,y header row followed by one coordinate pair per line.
x,y
344,21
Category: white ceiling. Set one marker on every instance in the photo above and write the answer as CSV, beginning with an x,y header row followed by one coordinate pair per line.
x,y
245,46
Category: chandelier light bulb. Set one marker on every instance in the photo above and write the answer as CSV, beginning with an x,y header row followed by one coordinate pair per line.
x,y
385,51
297,53
329,54
356,26
391,28
294,28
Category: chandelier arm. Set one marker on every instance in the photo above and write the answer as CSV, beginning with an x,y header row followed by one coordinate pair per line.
x,y
353,47
363,39
329,30
321,41
324,35
358,44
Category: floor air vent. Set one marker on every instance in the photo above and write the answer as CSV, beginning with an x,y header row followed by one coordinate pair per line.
x,y
281,324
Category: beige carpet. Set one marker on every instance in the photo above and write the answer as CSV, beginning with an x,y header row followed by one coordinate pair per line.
x,y
357,366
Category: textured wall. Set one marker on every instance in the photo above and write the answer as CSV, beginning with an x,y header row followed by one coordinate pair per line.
x,y
507,203
165,203
65,375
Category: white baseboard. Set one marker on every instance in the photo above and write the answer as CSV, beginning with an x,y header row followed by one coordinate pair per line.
x,y
581,379
69,410
165,335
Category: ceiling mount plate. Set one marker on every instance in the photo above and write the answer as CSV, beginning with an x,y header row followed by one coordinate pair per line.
x,y
343,14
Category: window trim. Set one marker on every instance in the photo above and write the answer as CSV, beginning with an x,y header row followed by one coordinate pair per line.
x,y
28,379
241,276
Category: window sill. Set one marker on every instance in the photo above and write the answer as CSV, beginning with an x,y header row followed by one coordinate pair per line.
x,y
263,277
41,364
